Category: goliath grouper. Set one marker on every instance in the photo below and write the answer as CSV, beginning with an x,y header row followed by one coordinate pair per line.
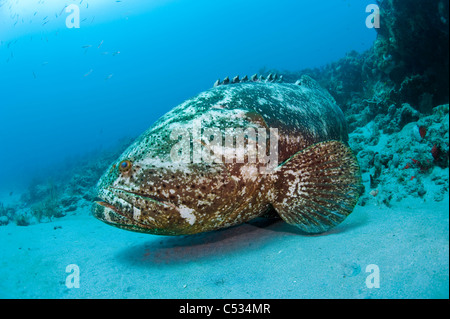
x,y
314,186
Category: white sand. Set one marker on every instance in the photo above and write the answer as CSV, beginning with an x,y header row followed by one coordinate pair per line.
x,y
410,245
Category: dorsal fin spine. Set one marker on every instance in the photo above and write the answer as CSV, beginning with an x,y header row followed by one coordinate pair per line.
x,y
271,78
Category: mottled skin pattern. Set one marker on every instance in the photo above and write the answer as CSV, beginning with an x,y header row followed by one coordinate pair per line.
x,y
159,196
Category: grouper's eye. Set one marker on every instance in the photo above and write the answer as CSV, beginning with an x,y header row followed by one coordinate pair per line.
x,y
125,166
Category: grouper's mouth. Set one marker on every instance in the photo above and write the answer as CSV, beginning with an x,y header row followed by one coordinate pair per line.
x,y
112,214
150,198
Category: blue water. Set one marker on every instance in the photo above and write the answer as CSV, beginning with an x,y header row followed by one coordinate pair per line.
x,y
67,92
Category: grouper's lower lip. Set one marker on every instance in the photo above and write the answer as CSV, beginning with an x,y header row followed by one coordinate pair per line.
x,y
109,214
111,207
102,214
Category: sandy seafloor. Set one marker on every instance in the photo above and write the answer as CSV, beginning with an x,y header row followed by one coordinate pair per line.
x,y
408,243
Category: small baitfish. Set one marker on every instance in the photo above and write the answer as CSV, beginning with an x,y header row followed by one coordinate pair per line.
x,y
246,148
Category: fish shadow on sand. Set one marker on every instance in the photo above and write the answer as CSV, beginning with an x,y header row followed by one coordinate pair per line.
x,y
183,249
161,250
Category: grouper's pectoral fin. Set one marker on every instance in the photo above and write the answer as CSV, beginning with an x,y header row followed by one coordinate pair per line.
x,y
318,187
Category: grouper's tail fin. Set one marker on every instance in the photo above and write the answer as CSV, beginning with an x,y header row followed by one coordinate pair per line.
x,y
318,187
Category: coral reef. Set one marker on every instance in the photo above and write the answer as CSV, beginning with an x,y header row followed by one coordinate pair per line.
x,y
414,35
6,214
49,207
405,163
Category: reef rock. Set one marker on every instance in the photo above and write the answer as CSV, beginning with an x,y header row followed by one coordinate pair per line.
x,y
412,162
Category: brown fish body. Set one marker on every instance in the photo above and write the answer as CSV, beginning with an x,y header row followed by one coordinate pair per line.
x,y
234,153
